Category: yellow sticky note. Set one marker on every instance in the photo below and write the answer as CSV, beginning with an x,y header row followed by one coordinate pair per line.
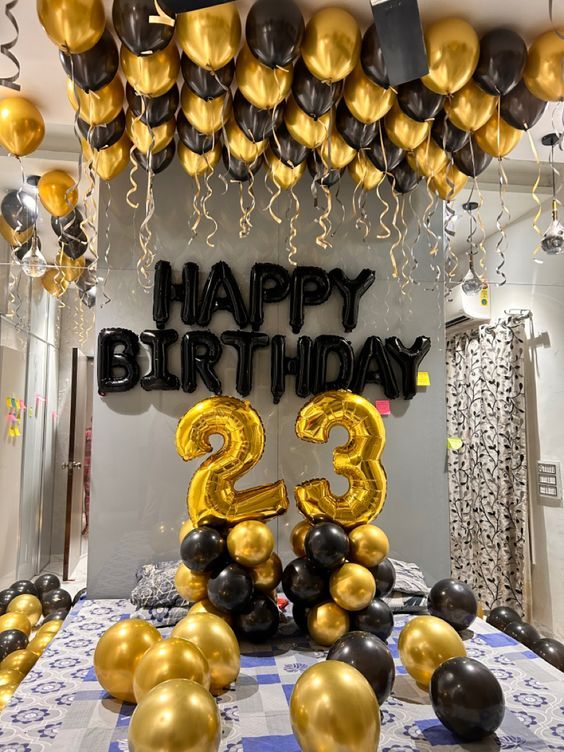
x,y
423,379
455,443
8,402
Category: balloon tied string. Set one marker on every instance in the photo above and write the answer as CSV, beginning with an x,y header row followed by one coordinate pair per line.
x,y
551,16
161,17
384,231
534,190
273,199
397,241
324,221
292,248
130,197
451,259
107,220
245,224
362,222
145,233
342,210
404,276
413,245
196,217
11,82
207,215
503,210
432,238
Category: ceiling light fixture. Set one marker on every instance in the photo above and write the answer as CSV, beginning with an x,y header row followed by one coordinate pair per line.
x,y
471,284
34,263
553,239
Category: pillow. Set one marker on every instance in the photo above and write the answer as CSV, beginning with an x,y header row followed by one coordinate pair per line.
x,y
161,617
156,587
159,566
409,578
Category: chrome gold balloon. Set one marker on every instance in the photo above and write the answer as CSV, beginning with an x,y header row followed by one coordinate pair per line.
x,y
71,269
57,192
364,173
198,164
20,660
470,108
21,126
497,137
403,130
267,576
448,182
109,163
428,159
327,622
148,139
424,644
298,536
54,282
352,587
118,654
304,129
97,107
453,49
367,101
250,543
176,716
240,146
369,545
331,45
28,605
151,75
187,526
335,152
207,607
333,707
217,642
12,237
543,73
14,620
281,174
40,643
206,117
192,586
262,86
10,676
210,36
73,25
50,627
174,658
7,691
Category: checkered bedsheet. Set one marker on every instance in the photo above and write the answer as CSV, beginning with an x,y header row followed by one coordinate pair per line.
x,y
61,707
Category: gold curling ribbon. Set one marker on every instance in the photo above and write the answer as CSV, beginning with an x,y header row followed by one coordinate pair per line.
x,y
292,248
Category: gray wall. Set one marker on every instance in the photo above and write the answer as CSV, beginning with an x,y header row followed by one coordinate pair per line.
x,y
139,483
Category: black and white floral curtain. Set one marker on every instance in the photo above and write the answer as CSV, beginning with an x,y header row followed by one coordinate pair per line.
x,y
488,485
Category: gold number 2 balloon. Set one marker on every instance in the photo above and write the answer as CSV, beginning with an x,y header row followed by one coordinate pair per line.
x,y
212,498
358,460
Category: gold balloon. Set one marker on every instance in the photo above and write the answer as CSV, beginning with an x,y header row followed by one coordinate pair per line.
x,y
331,45
217,642
97,107
198,164
544,72
109,163
212,498
470,108
73,25
210,36
6,693
58,193
497,137
307,131
174,658
448,182
479,614
369,545
20,660
21,126
403,130
207,607
335,152
262,86
192,586
367,101
71,269
424,644
428,159
187,526
50,627
281,174
352,587
267,576
28,605
149,139
358,460
206,117
453,49
54,282
12,237
364,173
298,536
250,543
10,676
151,75
176,716
118,653
240,146
327,622
15,620
40,643
333,707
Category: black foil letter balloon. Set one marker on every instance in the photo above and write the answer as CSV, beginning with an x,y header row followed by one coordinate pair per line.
x,y
503,55
326,345
369,655
373,351
159,377
282,366
245,343
221,278
409,360
200,352
95,68
270,283
352,291
133,27
118,371
310,286
274,32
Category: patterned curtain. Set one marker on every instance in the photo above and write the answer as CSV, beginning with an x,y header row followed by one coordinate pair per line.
x,y
488,489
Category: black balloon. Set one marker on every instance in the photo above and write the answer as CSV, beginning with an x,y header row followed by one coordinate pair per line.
x,y
256,124
373,367
467,698
551,651
369,655
403,178
321,174
419,102
502,616
6,596
199,143
283,365
239,170
231,589
118,370
72,237
132,25
383,153
377,618
159,377
153,111
274,32
259,620
446,135
245,344
156,162
55,600
503,56
315,97
299,614
471,159
357,135
200,352
521,109
78,596
46,582
327,545
303,583
95,68
409,359
372,58
286,148
202,549
329,347
524,633
221,293
10,641
310,286
352,291
207,84
59,615
385,575
19,209
88,278
33,180
102,136
22,587
270,283
454,602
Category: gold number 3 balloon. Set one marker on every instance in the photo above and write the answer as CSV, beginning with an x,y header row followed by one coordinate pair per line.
x,y
212,498
358,460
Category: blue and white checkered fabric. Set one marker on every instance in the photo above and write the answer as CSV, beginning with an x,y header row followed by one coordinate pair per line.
x,y
61,707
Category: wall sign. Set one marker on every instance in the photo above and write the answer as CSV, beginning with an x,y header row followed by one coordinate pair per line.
x,y
308,361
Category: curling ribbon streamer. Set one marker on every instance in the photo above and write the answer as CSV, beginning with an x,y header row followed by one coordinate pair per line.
x,y
6,49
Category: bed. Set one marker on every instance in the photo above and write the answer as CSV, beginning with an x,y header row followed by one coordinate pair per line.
x,y
60,706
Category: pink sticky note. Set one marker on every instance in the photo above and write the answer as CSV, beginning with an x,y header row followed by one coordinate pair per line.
x,y
54,415
383,407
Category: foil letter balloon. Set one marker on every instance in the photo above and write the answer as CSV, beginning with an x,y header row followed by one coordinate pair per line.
x,y
212,498
358,460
